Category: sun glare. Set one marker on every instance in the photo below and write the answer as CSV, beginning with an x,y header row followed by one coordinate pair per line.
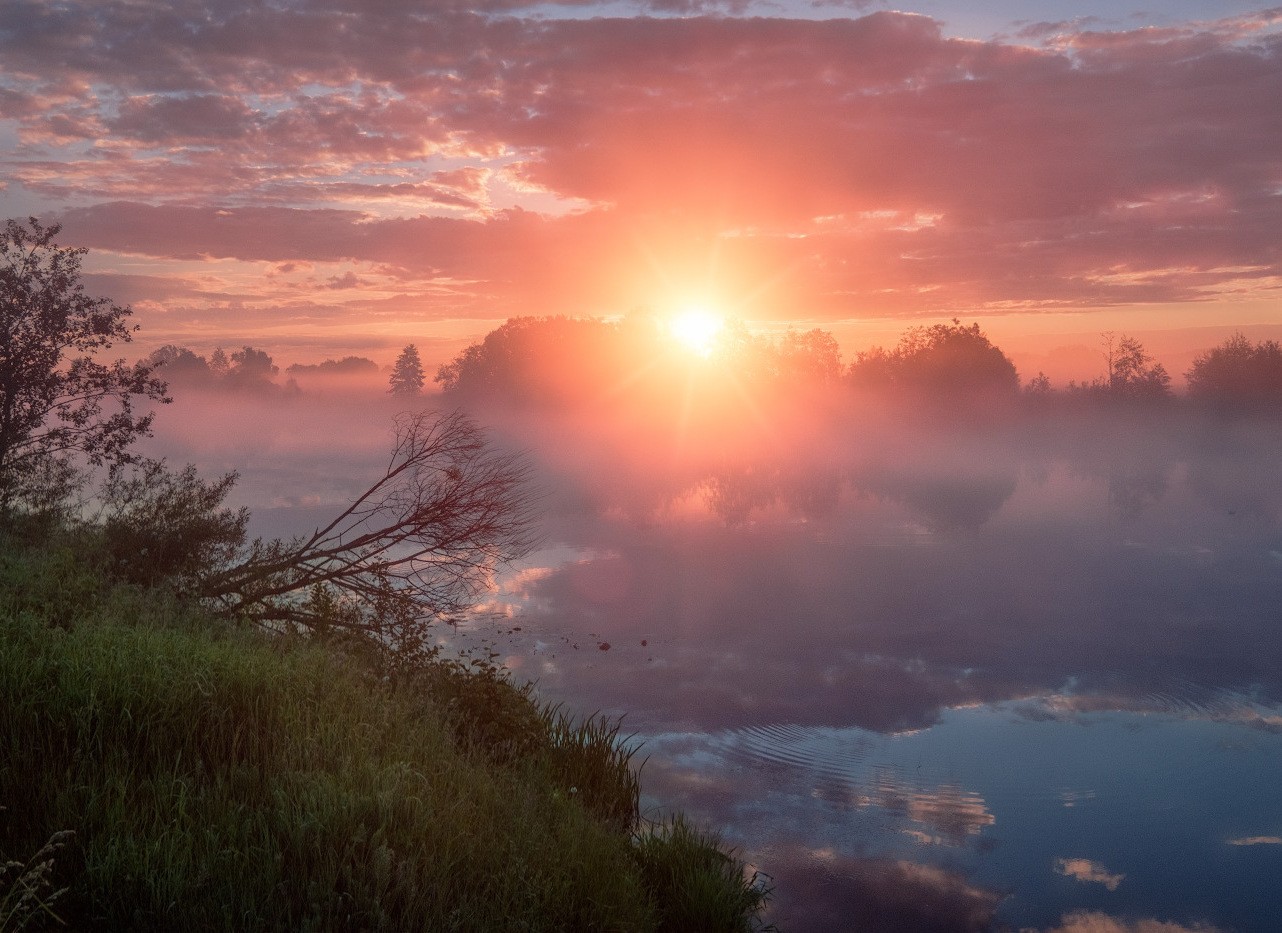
x,y
696,329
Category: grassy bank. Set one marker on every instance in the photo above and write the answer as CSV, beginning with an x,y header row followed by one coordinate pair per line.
x,y
220,779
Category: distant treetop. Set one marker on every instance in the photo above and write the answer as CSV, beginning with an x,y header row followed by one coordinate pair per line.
x,y
407,373
1129,373
1238,371
347,366
247,369
942,359
635,360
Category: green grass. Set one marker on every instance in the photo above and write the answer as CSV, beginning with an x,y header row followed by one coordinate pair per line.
x,y
216,779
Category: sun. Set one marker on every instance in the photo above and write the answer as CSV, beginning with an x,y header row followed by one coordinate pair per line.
x,y
696,328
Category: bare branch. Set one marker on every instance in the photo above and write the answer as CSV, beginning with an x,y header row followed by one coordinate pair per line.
x,y
419,545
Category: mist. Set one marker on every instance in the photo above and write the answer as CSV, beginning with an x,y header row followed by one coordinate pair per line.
x,y
854,572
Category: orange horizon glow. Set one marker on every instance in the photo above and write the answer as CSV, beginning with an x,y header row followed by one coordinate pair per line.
x,y
847,172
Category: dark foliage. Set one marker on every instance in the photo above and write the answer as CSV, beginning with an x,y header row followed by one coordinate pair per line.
x,y
347,366
942,361
565,362
1238,371
407,373
1130,373
157,526
59,406
247,369
537,360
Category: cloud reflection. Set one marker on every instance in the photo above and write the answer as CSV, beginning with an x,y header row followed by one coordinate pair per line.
x,y
1095,922
1086,871
777,650
822,890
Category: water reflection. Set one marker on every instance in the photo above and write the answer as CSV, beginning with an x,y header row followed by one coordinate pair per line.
x,y
1086,871
1021,821
1018,675
816,657
830,891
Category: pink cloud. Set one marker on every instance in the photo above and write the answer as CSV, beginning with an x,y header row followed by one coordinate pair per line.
x,y
868,165
1084,921
187,118
1086,871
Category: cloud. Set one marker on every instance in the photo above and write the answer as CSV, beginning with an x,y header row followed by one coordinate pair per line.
x,y
1086,871
187,118
826,890
869,163
1095,922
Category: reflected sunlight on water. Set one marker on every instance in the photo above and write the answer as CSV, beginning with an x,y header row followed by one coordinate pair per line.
x,y
926,678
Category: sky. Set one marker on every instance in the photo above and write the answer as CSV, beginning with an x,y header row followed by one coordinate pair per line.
x,y
322,177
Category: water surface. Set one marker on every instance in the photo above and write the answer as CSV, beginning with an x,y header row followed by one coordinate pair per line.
x,y
1014,673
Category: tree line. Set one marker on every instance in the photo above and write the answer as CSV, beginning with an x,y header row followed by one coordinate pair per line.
x,y
251,369
556,360
562,359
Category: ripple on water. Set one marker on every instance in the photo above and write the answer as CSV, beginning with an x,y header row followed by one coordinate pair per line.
x,y
1058,761
833,754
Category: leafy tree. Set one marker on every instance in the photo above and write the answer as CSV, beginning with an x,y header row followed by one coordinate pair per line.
x,y
1132,373
795,358
59,406
874,368
181,364
1238,371
156,526
813,356
940,360
568,361
250,368
538,360
219,364
1039,386
407,373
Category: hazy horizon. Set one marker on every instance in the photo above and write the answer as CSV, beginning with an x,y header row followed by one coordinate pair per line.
x,y
326,179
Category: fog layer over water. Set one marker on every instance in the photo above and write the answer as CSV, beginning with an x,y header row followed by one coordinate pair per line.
x,y
939,672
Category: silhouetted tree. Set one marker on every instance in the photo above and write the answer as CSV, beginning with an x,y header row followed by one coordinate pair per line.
x,y
540,360
419,545
180,363
638,371
251,369
407,373
219,364
1238,371
58,404
1129,373
874,368
347,366
1039,386
157,526
942,360
812,357
1132,373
